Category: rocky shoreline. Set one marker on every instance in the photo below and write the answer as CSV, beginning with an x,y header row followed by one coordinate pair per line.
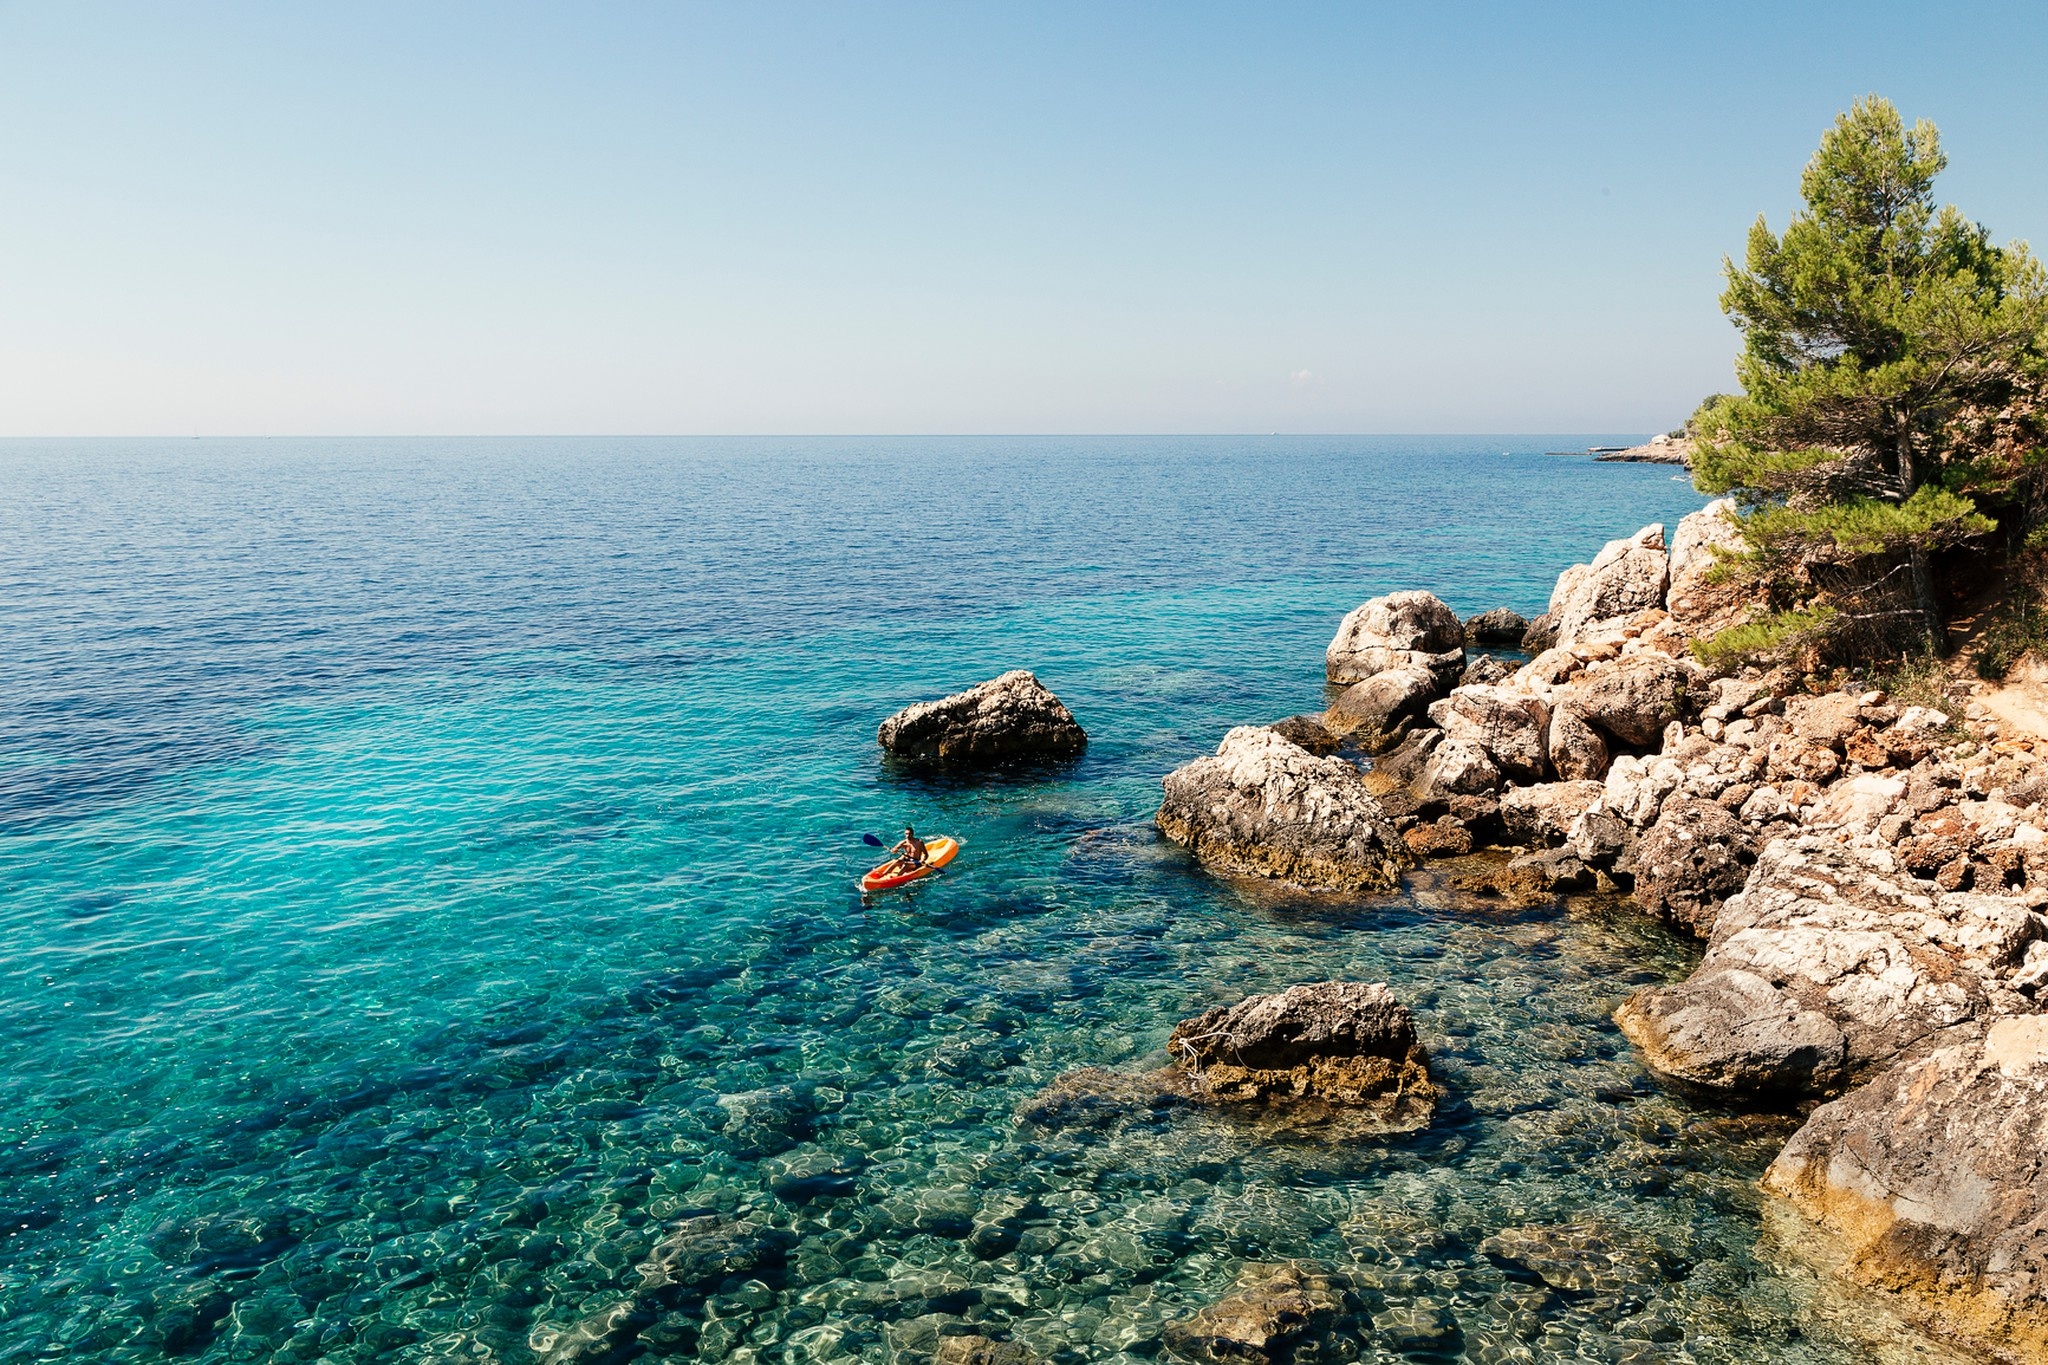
x,y
1869,879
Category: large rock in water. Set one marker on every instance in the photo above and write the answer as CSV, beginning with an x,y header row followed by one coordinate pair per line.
x,y
1831,961
1006,718
1500,626
1263,807
1342,1042
1372,712
1932,1173
1397,631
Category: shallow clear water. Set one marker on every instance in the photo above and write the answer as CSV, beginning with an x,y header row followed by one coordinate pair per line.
x,y
426,870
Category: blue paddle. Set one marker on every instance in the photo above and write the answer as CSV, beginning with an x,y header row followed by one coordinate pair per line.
x,y
871,839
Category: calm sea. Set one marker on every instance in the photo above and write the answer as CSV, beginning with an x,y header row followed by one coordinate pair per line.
x,y
427,870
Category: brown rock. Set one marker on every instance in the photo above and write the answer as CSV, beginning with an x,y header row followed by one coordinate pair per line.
x,y
1307,731
1541,634
1497,627
1443,837
1007,718
1340,1042
1827,721
1372,711
1634,698
1267,808
1275,1314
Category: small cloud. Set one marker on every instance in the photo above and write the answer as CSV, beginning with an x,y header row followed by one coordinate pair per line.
x,y
1302,379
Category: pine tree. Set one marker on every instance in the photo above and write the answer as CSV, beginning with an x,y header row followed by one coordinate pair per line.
x,y
1892,370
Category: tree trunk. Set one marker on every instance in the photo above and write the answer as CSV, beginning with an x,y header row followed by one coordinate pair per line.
x,y
1934,629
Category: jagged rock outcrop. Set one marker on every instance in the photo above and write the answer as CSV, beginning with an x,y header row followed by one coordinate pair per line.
x,y
1830,961
1699,607
1627,576
1263,807
1277,1313
1399,630
1004,719
1497,627
1340,1042
1932,1175
1508,726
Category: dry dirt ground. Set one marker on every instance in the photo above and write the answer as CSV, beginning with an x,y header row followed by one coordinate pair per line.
x,y
2020,703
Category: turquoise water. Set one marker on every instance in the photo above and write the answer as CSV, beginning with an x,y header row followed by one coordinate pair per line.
x,y
428,873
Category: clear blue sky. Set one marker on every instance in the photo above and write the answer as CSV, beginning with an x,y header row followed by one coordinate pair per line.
x,y
1033,217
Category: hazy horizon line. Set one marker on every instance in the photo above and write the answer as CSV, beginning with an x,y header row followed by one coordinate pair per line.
x,y
782,435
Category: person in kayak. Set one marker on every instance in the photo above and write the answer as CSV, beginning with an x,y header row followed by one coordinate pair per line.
x,y
909,851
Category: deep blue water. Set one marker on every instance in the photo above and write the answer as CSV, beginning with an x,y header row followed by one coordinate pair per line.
x,y
426,870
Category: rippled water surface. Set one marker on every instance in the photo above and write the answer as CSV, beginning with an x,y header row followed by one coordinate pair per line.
x,y
428,875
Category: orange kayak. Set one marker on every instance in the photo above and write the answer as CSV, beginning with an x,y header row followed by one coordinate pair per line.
x,y
937,853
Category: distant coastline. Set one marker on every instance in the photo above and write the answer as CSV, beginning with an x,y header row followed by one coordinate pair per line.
x,y
1662,449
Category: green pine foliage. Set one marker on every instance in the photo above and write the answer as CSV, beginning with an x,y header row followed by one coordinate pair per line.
x,y
1893,369
1768,637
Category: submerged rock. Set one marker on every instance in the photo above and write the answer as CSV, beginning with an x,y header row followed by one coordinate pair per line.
x,y
1932,1175
1275,1313
981,1350
1006,718
1096,1097
1399,630
698,1254
1587,1257
1341,1042
1263,807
